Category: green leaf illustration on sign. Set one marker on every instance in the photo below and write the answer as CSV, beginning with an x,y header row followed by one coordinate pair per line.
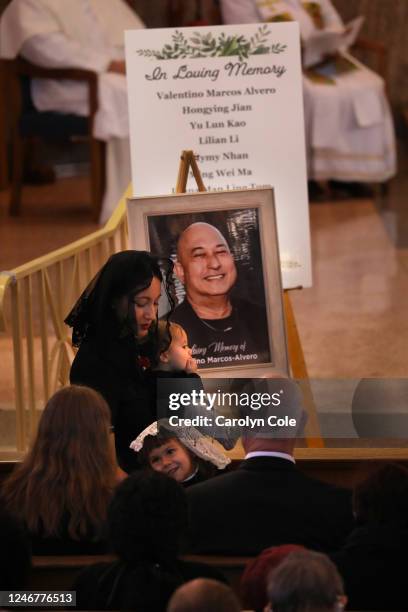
x,y
207,45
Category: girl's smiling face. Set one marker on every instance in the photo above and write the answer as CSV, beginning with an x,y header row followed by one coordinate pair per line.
x,y
173,459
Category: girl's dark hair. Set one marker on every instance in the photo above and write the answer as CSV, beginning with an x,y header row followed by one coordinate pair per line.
x,y
147,518
69,470
167,332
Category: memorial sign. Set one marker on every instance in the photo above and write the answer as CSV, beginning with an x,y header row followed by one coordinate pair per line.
x,y
232,94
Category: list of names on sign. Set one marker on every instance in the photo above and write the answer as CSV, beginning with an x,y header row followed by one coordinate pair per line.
x,y
233,95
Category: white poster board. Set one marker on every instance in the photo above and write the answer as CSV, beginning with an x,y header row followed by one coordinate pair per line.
x,y
232,94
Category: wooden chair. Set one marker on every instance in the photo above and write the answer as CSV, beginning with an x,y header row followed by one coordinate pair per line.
x,y
376,49
59,573
27,123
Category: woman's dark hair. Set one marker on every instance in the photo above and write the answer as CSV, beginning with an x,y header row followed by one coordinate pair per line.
x,y
125,274
69,470
382,498
147,518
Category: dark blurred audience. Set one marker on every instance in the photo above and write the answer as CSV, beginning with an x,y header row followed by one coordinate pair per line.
x,y
15,554
63,498
306,582
204,595
146,519
373,559
254,579
62,488
268,501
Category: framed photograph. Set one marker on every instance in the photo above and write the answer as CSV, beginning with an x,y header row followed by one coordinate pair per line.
x,y
227,275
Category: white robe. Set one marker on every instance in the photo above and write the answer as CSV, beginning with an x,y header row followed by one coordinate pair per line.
x,y
349,127
85,34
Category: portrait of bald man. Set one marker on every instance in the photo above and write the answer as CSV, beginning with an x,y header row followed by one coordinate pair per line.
x,y
223,328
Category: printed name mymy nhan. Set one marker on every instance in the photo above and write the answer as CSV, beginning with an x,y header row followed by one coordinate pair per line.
x,y
255,401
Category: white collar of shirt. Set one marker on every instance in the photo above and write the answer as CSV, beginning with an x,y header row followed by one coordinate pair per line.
x,y
270,454
191,475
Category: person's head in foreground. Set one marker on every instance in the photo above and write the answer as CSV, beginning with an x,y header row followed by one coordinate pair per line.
x,y
382,498
122,299
204,595
280,437
147,518
254,578
204,264
179,452
306,582
70,469
174,354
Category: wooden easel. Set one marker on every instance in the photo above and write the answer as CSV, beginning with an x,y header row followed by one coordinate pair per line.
x,y
296,356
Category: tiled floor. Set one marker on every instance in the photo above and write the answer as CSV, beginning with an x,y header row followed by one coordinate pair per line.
x,y
353,321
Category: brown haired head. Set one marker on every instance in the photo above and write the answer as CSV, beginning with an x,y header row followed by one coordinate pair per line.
x,y
166,332
69,470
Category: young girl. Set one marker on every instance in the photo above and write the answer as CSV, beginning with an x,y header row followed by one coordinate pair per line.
x,y
174,368
183,453
186,454
174,354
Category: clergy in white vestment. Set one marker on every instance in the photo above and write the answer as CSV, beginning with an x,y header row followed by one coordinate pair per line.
x,y
348,122
86,34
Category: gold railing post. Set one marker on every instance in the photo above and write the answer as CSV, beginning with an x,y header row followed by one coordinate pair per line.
x,y
18,366
59,277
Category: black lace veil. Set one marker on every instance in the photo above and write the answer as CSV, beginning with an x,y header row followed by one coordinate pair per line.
x,y
125,274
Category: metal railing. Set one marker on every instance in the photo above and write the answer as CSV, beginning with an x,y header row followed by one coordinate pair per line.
x,y
34,300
